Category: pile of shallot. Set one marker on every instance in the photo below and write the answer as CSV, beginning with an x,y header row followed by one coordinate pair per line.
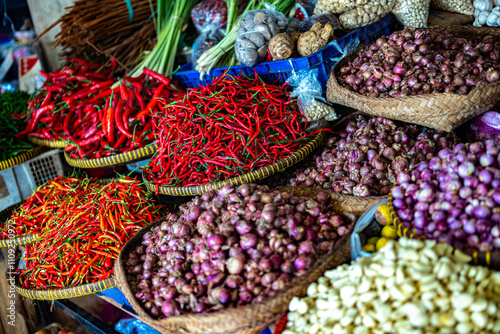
x,y
365,157
418,61
230,248
454,197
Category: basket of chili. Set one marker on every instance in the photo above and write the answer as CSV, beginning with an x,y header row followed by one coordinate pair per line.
x,y
113,160
232,131
13,150
17,241
76,257
253,176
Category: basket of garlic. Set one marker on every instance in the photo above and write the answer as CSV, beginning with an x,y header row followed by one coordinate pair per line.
x,y
409,286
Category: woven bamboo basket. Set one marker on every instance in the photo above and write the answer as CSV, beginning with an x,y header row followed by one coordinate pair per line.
x,y
113,160
441,111
248,319
77,291
47,143
488,259
252,176
21,158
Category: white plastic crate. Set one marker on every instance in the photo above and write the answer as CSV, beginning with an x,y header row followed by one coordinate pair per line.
x,y
19,182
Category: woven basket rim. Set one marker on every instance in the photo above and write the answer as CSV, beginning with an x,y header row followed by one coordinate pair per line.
x,y
176,322
21,158
47,142
76,291
238,180
394,106
123,158
20,241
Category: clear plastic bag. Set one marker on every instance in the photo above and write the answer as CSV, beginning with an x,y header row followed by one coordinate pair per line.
x,y
340,6
488,122
305,25
308,90
455,6
209,37
306,7
364,15
257,28
412,13
361,225
212,12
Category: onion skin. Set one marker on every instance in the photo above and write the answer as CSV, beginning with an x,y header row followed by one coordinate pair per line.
x,y
456,197
416,66
216,255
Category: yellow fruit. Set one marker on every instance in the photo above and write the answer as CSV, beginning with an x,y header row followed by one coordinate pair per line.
x,y
373,240
382,215
381,242
389,232
368,248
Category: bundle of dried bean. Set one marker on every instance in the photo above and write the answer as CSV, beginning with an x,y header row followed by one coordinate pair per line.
x,y
101,29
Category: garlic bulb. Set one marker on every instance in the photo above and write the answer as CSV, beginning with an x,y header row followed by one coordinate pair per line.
x,y
483,5
481,18
492,19
496,2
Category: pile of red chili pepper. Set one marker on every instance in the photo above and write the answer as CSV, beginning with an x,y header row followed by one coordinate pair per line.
x,y
49,112
40,211
96,119
122,123
224,129
87,233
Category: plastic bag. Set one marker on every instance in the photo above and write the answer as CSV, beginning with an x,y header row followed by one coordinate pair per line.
x,y
455,6
256,29
305,25
361,225
412,13
210,36
488,122
341,6
308,90
305,7
134,326
212,12
364,15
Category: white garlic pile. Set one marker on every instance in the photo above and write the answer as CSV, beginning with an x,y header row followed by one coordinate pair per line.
x,y
412,13
409,286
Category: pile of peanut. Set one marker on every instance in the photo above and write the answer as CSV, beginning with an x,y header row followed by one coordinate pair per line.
x,y
409,286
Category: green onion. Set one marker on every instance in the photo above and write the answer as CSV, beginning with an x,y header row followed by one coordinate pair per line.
x,y
172,15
